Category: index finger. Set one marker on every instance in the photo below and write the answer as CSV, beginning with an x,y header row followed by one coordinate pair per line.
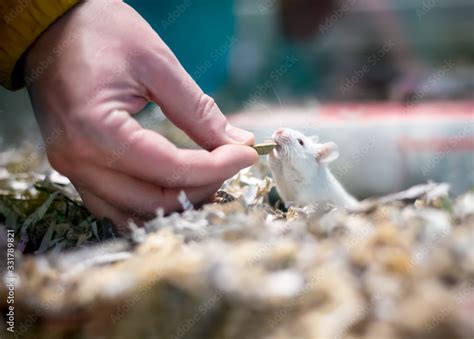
x,y
184,103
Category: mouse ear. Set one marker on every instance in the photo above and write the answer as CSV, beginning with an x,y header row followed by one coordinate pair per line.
x,y
327,153
315,138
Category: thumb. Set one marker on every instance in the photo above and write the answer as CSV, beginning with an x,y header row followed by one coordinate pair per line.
x,y
185,104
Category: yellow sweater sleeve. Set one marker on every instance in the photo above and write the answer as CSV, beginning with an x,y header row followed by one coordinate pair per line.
x,y
21,22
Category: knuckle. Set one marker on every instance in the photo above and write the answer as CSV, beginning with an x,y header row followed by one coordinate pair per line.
x,y
205,107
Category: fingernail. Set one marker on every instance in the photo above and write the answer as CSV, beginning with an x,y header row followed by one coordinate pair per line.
x,y
239,135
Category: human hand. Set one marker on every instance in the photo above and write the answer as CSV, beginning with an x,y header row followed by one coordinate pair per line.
x,y
95,64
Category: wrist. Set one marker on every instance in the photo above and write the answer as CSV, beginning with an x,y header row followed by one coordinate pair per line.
x,y
21,31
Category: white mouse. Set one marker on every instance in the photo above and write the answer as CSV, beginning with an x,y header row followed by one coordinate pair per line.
x,y
299,165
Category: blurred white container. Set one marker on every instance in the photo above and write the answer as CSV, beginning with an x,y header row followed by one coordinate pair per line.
x,y
384,147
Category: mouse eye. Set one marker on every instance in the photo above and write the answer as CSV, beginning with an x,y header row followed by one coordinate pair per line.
x,y
301,142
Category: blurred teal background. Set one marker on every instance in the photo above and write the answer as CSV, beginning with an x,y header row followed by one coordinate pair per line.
x,y
193,30
236,49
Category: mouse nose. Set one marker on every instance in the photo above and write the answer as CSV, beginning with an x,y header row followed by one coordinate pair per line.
x,y
279,131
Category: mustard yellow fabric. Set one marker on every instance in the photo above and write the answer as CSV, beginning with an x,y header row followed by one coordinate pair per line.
x,y
21,22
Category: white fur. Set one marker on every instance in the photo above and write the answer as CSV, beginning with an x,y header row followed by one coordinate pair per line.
x,y
302,174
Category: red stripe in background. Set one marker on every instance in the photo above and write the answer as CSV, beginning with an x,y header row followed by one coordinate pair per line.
x,y
378,110
346,112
